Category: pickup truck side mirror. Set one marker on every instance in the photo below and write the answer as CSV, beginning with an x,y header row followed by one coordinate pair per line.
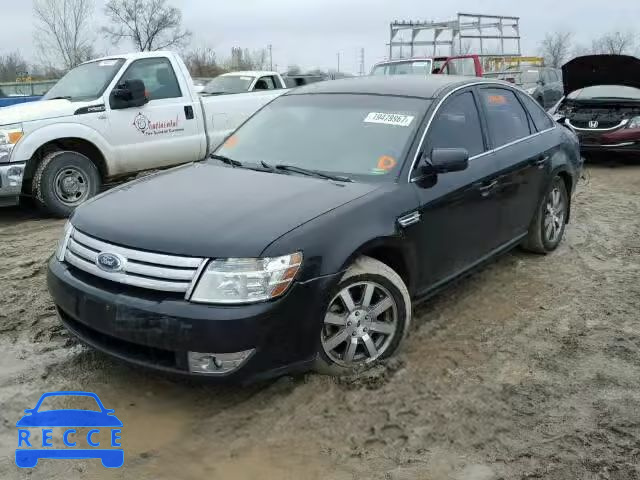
x,y
128,94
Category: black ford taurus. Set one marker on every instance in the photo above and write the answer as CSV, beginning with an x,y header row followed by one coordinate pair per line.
x,y
304,240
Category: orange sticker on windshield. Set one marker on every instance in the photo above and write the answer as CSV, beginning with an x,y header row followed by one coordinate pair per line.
x,y
386,163
231,142
497,99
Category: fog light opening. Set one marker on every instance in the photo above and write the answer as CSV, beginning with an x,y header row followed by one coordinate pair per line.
x,y
217,363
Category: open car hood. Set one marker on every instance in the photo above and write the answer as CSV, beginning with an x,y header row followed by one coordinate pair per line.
x,y
591,70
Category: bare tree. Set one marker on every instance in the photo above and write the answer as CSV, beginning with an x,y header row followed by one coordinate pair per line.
x,y
63,31
556,48
149,24
244,59
12,67
202,62
464,49
615,43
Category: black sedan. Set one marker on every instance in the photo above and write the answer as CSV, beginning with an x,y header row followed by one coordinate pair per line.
x,y
303,242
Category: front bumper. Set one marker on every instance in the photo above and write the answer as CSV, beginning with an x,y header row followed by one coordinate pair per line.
x,y
157,330
620,147
11,175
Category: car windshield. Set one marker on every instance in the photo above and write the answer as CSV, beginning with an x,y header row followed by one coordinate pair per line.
x,y
87,81
599,92
413,67
229,84
525,77
358,136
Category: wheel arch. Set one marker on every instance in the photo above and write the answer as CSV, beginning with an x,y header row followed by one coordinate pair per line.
x,y
392,252
74,144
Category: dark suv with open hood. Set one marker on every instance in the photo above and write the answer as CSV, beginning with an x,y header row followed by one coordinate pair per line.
x,y
602,102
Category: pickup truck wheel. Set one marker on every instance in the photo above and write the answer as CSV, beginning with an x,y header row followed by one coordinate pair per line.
x,y
548,225
366,320
64,180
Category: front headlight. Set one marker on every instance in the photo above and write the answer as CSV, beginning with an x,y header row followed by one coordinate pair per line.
x,y
9,136
246,280
634,123
61,249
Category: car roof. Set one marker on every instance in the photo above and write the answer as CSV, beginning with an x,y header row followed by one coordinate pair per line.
x,y
397,85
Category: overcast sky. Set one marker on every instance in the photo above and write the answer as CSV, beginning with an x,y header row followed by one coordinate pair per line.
x,y
311,33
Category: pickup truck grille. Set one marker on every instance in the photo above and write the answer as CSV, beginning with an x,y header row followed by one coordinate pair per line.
x,y
155,271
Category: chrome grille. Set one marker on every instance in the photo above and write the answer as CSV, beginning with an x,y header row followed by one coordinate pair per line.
x,y
155,271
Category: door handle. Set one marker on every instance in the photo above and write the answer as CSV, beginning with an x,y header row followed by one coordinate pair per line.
x,y
541,161
486,189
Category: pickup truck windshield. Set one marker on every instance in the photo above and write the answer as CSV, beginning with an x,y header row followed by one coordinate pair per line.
x,y
87,81
228,84
357,136
413,67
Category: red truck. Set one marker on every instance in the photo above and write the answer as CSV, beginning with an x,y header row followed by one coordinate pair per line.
x,y
465,65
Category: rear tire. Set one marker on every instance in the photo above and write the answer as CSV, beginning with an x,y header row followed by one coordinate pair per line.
x,y
547,228
63,181
355,337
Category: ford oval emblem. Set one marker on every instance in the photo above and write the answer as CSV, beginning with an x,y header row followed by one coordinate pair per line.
x,y
110,262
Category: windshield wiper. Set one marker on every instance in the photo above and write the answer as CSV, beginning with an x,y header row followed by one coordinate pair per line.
x,y
227,160
62,97
311,173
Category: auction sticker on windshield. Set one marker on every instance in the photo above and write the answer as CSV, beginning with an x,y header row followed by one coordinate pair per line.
x,y
389,119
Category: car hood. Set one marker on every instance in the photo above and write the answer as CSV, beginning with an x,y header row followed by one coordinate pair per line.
x,y
207,210
591,70
38,110
69,418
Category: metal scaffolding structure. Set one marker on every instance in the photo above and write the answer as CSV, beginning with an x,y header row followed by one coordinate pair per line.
x,y
484,35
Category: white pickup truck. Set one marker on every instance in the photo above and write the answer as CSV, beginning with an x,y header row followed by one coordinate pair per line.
x,y
108,119
241,82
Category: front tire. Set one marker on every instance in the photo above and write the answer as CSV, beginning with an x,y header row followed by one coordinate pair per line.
x,y
63,181
366,320
547,228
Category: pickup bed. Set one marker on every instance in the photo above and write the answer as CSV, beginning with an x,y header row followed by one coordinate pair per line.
x,y
108,119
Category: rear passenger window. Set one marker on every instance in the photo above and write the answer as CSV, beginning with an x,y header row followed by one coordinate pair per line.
x,y
457,125
540,119
506,118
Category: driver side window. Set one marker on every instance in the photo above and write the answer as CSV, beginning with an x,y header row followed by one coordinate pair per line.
x,y
158,76
457,125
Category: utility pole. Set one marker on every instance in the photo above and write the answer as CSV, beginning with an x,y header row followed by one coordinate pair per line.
x,y
362,62
270,48
338,62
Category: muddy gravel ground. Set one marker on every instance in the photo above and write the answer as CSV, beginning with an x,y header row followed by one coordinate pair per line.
x,y
528,369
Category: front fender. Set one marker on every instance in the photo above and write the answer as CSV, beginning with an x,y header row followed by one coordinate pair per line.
x,y
331,242
33,140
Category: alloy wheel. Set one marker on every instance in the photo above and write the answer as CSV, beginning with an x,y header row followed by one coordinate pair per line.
x,y
360,324
555,211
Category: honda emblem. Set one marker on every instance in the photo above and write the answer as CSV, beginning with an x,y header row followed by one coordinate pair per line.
x,y
593,124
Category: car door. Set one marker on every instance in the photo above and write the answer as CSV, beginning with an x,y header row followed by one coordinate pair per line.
x,y
523,159
459,212
166,130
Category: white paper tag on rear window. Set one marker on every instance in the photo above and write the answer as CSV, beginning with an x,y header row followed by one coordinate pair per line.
x,y
389,119
107,63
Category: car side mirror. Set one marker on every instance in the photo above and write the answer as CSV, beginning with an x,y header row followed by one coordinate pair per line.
x,y
445,160
541,82
128,94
